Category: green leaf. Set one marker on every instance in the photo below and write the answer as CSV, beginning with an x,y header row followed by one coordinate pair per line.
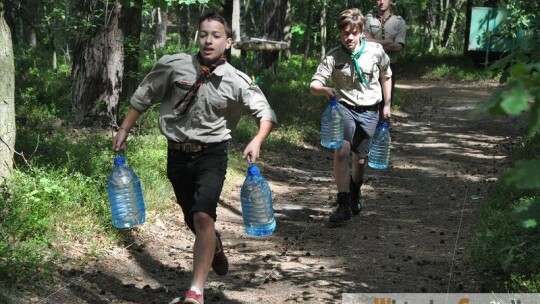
x,y
525,175
528,213
516,101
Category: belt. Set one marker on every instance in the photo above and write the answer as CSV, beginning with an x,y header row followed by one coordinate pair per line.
x,y
361,108
188,147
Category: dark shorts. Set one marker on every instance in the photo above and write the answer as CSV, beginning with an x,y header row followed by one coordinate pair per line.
x,y
197,179
359,127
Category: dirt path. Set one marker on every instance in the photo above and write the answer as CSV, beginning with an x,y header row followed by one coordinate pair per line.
x,y
411,237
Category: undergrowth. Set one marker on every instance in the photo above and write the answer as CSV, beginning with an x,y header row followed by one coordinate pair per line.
x,y
56,198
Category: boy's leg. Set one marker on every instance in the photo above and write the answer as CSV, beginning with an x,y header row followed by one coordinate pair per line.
x,y
366,125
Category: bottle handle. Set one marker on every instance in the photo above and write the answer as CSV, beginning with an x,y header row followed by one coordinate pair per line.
x,y
119,153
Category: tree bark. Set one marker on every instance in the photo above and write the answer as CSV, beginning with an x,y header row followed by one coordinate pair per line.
x,y
7,98
287,35
307,37
235,26
324,5
273,20
98,62
160,34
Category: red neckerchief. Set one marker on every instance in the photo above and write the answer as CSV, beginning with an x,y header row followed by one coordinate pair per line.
x,y
205,71
383,22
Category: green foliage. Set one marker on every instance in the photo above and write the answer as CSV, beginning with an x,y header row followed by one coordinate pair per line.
x,y
507,239
524,283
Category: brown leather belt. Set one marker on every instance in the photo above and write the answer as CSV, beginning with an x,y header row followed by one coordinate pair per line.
x,y
361,108
187,147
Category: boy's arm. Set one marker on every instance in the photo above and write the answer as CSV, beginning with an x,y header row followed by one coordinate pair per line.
x,y
253,149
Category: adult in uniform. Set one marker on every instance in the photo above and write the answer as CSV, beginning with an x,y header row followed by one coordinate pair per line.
x,y
202,98
360,71
388,30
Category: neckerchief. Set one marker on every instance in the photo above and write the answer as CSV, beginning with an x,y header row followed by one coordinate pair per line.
x,y
355,56
383,22
205,72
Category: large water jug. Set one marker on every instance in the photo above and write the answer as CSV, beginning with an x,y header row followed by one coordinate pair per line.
x,y
379,153
125,195
332,126
257,208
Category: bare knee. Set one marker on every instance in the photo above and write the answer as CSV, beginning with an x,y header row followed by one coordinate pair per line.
x,y
342,154
203,221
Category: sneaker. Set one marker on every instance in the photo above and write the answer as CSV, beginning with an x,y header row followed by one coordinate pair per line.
x,y
343,211
220,263
356,197
193,298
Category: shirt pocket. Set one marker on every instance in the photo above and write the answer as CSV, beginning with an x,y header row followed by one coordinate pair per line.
x,y
343,70
219,105
370,70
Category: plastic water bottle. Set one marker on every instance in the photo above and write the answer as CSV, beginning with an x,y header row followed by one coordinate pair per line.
x,y
332,126
257,209
379,153
125,195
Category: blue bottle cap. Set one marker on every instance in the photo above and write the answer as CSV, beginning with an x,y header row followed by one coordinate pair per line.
x,y
385,124
120,160
253,170
333,101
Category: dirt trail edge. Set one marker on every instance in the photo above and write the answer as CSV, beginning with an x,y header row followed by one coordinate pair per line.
x,y
412,235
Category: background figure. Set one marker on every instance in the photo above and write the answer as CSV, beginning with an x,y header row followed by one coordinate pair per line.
x,y
360,71
201,99
389,30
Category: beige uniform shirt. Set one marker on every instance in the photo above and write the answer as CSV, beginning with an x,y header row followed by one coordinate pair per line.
x,y
339,66
394,28
221,100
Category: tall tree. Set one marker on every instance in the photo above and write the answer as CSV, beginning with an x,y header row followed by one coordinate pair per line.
x,y
235,26
98,60
131,25
7,98
273,20
324,6
287,35
161,21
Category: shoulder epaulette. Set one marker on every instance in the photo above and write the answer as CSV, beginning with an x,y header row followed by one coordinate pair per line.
x,y
243,76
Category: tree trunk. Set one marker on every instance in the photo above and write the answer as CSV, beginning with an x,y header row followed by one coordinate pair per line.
x,y
98,61
7,99
273,19
307,37
131,25
324,5
235,26
287,35
160,34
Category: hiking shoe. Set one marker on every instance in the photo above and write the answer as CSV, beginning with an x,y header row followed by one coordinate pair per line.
x,y
220,263
193,297
356,197
343,211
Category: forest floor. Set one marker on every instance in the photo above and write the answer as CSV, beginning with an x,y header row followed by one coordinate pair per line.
x,y
412,236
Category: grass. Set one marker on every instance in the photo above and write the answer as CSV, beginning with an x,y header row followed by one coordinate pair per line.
x,y
61,172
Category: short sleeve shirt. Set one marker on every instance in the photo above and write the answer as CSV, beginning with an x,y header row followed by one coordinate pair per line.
x,y
339,67
393,28
221,99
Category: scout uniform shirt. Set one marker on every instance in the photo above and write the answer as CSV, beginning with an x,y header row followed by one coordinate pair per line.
x,y
392,28
339,65
221,99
